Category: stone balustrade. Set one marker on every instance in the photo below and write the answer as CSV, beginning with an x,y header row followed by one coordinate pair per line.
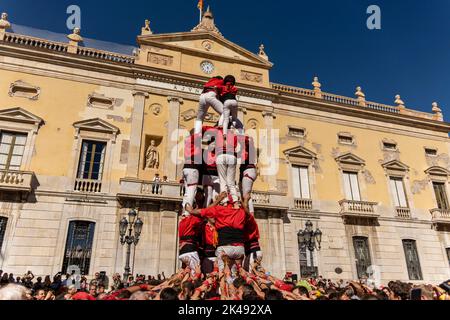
x,y
134,188
358,208
15,180
88,186
440,216
404,213
303,204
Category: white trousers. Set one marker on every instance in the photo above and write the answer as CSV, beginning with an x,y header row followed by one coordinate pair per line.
x,y
232,252
211,186
230,110
248,179
190,259
226,167
190,177
207,100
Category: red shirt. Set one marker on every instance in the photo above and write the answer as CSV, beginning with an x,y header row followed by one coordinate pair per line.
x,y
214,83
189,229
209,235
248,151
226,218
251,230
193,149
229,89
226,147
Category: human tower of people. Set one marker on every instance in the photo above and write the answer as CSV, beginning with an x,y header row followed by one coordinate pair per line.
x,y
217,223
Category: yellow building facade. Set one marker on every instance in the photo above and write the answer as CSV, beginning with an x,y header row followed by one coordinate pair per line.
x,y
76,122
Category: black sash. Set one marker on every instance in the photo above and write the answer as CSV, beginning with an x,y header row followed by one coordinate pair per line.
x,y
228,236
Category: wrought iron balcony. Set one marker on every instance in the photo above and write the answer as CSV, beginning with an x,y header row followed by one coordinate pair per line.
x,y
305,205
365,209
440,216
16,181
403,212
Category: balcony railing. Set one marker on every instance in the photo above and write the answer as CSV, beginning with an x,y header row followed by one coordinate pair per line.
x,y
358,208
261,198
441,216
15,180
88,186
134,188
303,204
404,213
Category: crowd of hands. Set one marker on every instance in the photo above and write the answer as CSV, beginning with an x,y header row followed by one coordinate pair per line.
x,y
233,283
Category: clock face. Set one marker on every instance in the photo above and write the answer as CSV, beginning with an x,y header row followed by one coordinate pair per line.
x,y
207,67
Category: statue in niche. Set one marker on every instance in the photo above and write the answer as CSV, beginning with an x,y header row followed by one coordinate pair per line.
x,y
152,156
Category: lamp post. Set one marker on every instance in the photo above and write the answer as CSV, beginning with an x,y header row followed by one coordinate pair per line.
x,y
310,239
132,223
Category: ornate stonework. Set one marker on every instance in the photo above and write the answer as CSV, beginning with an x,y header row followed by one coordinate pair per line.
x,y
251,76
161,59
24,90
207,23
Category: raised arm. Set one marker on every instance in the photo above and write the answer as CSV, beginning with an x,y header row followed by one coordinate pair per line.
x,y
197,212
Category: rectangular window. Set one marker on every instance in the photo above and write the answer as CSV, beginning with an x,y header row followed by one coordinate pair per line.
x,y
441,195
398,190
3,223
301,182
448,255
351,186
412,260
362,256
12,147
308,268
92,159
390,146
79,246
431,152
296,132
345,139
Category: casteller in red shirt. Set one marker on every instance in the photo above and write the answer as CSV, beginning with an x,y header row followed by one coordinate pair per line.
x,y
214,84
251,235
189,232
230,224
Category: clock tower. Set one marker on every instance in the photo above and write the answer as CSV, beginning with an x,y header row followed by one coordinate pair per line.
x,y
202,53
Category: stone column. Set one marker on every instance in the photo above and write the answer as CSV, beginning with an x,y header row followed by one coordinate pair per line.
x,y
276,238
170,167
268,120
168,248
137,125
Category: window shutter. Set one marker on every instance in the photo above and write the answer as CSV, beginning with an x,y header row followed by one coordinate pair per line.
x,y
347,187
296,183
304,179
395,192
401,193
355,187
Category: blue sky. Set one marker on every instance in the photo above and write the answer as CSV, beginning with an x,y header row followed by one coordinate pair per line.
x,y
328,38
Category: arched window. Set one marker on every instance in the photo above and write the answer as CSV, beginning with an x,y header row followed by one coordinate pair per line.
x,y
79,246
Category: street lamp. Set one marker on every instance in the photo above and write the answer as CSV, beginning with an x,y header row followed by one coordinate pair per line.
x,y
310,239
133,223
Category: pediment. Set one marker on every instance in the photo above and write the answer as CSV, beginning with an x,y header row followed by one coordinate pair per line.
x,y
300,152
20,115
207,44
437,171
396,165
350,159
98,125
